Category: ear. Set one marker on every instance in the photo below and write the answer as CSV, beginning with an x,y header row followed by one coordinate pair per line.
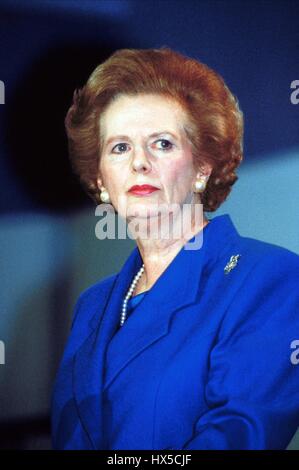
x,y
99,181
204,170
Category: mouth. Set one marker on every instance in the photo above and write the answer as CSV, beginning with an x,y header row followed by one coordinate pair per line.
x,y
142,190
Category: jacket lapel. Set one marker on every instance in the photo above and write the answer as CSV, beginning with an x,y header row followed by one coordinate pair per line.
x,y
151,318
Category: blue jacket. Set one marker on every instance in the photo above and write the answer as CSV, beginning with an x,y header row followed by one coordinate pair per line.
x,y
205,361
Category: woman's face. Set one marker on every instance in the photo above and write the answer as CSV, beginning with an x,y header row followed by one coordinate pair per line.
x,y
143,142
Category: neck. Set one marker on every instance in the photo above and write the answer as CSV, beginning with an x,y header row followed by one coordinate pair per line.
x,y
157,254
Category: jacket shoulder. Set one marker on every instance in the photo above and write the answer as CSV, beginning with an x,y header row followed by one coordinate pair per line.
x,y
268,256
96,289
91,296
266,291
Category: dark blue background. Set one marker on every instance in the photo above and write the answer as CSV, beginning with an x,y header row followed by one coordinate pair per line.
x,y
50,47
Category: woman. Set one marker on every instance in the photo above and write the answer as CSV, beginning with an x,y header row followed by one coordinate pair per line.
x,y
183,348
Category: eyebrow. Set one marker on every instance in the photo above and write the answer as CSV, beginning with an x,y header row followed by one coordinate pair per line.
x,y
125,137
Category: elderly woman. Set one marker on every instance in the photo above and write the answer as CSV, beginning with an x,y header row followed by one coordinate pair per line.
x,y
183,348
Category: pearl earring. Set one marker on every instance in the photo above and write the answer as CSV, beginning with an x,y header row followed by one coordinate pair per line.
x,y
104,196
200,185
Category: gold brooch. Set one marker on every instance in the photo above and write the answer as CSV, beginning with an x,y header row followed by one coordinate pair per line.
x,y
232,263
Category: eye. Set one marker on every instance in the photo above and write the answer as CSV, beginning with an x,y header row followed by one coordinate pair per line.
x,y
121,145
165,144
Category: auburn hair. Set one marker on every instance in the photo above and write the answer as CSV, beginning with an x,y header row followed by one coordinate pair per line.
x,y
215,121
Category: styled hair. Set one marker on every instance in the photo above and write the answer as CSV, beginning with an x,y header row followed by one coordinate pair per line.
x,y
215,121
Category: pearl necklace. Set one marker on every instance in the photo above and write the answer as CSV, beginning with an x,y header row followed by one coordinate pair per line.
x,y
129,294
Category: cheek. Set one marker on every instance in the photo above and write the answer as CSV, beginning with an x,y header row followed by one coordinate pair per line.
x,y
116,187
114,178
178,173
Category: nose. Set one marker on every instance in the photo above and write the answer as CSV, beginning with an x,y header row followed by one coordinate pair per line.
x,y
140,162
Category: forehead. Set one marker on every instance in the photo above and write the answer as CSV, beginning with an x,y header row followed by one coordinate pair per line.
x,y
145,113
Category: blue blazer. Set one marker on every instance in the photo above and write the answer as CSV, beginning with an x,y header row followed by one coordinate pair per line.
x,y
207,360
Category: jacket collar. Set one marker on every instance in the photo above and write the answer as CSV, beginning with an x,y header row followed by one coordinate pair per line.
x,y
176,288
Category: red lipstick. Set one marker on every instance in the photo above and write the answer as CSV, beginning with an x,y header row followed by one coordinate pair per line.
x,y
143,190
